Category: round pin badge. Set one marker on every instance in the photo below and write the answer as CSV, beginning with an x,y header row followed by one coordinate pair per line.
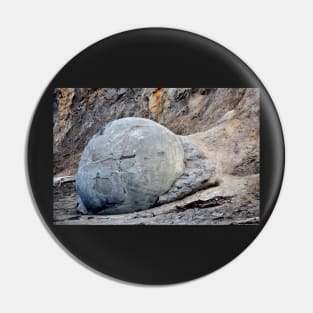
x,y
155,156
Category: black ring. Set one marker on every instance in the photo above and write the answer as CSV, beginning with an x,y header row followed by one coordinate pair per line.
x,y
148,58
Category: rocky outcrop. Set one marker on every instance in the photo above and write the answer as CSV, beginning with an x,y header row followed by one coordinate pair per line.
x,y
219,130
80,112
197,175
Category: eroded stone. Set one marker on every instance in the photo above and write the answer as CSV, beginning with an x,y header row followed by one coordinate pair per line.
x,y
127,165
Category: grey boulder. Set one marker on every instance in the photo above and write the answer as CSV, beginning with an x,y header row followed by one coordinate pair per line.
x,y
127,166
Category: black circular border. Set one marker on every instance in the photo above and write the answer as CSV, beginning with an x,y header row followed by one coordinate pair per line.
x,y
147,58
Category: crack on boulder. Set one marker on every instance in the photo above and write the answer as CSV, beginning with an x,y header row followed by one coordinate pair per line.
x,y
131,156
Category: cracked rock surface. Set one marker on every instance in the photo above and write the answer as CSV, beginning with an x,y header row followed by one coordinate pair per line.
x,y
127,165
197,174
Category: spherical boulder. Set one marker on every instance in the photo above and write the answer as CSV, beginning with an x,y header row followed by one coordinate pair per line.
x,y
127,165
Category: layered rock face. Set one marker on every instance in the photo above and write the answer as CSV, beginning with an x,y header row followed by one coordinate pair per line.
x,y
80,112
127,165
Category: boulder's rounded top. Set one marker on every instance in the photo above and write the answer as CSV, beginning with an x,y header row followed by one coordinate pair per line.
x,y
129,123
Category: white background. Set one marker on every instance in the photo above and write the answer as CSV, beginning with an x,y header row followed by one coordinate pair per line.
x,y
274,38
